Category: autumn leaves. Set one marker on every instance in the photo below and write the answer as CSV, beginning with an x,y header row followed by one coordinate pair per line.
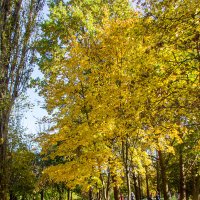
x,y
124,91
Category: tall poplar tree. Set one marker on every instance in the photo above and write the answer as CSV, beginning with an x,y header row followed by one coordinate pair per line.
x,y
18,21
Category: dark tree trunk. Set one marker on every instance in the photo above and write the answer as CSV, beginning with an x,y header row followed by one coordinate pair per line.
x,y
3,155
157,174
115,189
68,194
127,170
139,184
163,175
196,187
99,193
116,193
182,185
90,194
136,187
12,196
42,195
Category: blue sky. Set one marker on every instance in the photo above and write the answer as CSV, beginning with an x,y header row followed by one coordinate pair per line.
x,y
36,113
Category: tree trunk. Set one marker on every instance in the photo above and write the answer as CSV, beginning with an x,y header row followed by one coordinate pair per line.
x,y
68,194
115,188
125,149
137,195
157,174
42,195
71,195
182,185
99,194
116,193
127,171
108,186
90,194
196,187
3,173
3,154
12,196
163,175
139,184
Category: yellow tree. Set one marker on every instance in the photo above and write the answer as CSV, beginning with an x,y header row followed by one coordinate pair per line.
x,y
175,26
68,90
117,85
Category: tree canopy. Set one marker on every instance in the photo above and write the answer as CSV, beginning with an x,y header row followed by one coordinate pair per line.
x,y
121,86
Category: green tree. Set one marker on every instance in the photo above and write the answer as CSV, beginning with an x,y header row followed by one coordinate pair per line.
x,y
22,177
21,168
18,21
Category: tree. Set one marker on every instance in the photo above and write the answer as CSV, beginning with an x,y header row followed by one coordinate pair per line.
x,y
177,28
119,89
17,22
21,177
79,122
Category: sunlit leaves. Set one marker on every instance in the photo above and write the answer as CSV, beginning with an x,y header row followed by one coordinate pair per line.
x,y
115,80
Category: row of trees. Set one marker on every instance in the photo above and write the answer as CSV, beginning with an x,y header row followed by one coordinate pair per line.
x,y
122,85
121,82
